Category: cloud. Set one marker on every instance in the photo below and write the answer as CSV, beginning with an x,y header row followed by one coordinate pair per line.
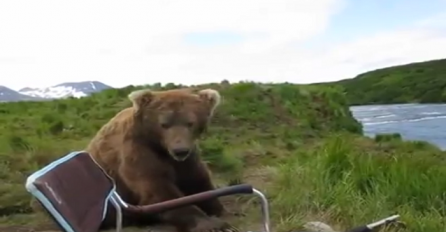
x,y
136,42
422,41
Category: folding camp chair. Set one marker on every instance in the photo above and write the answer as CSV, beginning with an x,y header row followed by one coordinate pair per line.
x,y
76,192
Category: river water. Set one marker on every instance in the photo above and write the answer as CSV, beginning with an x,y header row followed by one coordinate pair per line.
x,y
425,122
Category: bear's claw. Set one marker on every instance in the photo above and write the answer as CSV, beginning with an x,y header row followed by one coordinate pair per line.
x,y
214,225
231,229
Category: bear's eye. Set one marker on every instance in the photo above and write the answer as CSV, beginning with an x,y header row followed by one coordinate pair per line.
x,y
165,125
189,124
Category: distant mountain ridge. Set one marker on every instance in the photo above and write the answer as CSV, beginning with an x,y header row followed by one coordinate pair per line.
x,y
418,82
8,95
63,90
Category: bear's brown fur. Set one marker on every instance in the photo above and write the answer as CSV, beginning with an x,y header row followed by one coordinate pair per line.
x,y
150,150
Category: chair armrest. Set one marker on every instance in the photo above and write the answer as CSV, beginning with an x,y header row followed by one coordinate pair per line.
x,y
191,199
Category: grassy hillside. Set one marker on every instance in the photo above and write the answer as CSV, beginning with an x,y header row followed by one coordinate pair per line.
x,y
423,82
299,144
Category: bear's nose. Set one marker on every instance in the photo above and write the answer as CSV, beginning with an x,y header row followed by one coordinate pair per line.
x,y
181,152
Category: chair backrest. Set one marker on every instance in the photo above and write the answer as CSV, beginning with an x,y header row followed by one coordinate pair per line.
x,y
74,190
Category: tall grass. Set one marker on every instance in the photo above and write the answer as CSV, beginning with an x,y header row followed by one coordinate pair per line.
x,y
340,183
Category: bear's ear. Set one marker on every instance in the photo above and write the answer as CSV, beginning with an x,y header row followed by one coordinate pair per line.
x,y
141,97
211,97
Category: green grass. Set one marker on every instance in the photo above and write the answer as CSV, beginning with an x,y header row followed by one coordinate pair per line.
x,y
298,144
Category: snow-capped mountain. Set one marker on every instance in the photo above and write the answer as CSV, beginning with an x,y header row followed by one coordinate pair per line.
x,y
7,95
69,89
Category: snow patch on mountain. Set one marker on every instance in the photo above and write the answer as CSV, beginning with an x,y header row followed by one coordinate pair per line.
x,y
64,90
54,92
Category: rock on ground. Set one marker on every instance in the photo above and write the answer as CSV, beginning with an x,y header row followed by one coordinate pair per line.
x,y
317,227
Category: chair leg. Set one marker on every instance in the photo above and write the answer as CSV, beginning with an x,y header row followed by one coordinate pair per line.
x,y
265,210
118,214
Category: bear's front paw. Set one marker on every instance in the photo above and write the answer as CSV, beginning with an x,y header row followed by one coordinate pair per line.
x,y
213,224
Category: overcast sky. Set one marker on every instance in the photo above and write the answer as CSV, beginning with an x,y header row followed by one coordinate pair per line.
x,y
45,42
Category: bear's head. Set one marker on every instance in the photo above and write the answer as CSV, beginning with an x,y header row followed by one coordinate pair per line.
x,y
173,120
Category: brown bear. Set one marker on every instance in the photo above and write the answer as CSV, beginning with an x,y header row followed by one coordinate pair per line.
x,y
150,150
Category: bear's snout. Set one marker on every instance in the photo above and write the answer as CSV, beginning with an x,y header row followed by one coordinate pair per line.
x,y
181,154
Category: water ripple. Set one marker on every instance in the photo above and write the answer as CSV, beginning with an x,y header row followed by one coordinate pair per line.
x,y
413,121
